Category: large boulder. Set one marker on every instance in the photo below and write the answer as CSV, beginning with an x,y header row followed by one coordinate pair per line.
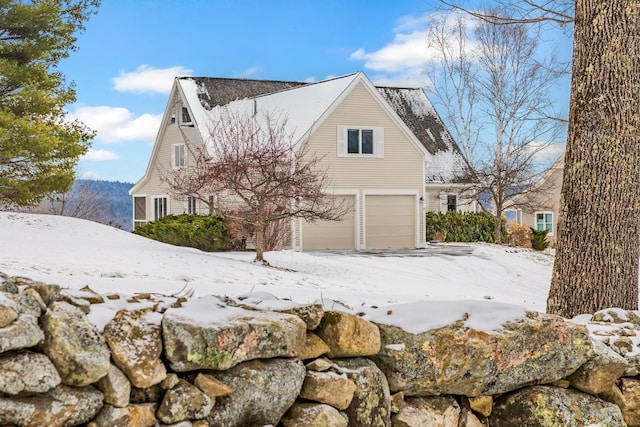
x,y
348,335
545,406
61,407
371,403
263,390
136,344
208,334
8,310
475,348
27,372
23,332
74,345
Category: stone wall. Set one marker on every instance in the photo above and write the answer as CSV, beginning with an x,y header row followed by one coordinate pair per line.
x,y
79,358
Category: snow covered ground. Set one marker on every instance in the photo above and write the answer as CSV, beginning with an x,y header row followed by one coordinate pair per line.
x,y
74,253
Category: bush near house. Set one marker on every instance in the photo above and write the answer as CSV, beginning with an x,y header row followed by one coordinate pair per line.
x,y
207,233
539,239
461,227
519,235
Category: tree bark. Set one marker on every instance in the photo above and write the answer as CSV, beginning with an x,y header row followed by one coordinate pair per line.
x,y
596,263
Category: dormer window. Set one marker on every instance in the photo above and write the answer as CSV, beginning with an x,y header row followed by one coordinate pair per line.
x,y
186,118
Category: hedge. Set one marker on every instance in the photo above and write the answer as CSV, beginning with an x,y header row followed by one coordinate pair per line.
x,y
462,227
204,232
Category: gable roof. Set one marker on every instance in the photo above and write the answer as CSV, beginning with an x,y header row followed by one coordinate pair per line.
x,y
303,104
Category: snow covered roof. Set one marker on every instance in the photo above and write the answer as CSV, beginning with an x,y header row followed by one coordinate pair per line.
x,y
304,103
448,165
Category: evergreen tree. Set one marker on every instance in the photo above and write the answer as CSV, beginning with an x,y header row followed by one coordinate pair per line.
x,y
38,147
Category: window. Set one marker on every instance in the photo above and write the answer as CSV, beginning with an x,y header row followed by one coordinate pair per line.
x,y
360,141
192,205
186,118
544,221
178,155
452,202
160,205
513,216
173,118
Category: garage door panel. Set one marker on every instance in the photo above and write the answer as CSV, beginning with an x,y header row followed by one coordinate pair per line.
x,y
390,221
322,235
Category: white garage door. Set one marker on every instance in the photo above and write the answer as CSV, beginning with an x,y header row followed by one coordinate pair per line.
x,y
331,234
390,221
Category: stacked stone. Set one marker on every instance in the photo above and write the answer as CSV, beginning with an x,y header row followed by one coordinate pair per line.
x,y
230,362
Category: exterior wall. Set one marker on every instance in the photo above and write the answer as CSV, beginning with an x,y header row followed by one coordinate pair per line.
x,y
173,133
547,202
399,171
436,198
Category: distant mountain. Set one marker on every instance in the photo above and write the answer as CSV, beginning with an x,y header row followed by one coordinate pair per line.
x,y
116,196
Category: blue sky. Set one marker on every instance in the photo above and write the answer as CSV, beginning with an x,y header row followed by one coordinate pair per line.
x,y
131,50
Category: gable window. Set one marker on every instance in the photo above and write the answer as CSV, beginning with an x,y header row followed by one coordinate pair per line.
x,y
544,221
160,207
186,118
192,205
452,202
365,141
178,155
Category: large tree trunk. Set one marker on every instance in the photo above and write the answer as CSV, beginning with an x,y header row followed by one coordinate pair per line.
x,y
596,262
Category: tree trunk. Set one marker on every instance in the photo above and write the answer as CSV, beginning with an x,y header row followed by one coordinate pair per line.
x,y
598,248
497,220
259,242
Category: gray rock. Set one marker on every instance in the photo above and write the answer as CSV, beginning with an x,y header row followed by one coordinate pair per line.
x,y
371,403
25,371
459,360
206,334
183,402
136,345
74,345
8,311
436,411
131,416
23,332
544,406
263,390
116,387
31,302
314,415
61,407
49,293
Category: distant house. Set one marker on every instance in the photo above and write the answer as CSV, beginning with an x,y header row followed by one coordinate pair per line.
x,y
410,164
539,208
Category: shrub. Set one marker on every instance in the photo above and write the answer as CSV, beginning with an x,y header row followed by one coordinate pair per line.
x,y
207,233
519,235
539,239
461,227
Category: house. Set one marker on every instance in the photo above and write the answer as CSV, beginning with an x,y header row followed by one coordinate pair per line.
x,y
539,208
409,163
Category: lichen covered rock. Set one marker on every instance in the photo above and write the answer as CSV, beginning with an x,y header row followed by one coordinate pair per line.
x,y
348,335
136,344
27,372
74,345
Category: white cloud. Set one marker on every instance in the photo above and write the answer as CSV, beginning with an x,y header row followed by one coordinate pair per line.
x,y
402,62
117,124
100,155
248,72
149,80
92,175
546,152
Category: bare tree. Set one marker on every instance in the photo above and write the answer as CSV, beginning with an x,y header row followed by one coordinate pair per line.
x,y
495,92
85,200
260,177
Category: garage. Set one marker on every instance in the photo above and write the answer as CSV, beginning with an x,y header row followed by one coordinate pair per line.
x,y
323,235
390,221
